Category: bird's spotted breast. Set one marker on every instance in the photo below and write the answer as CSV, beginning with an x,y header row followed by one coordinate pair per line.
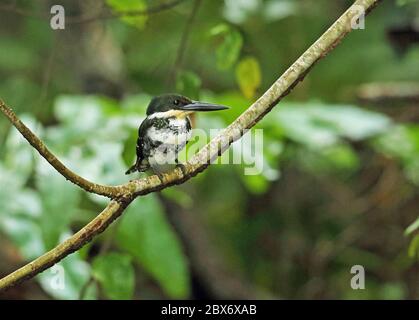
x,y
171,138
175,131
160,123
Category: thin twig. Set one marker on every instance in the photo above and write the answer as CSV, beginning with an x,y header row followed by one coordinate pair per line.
x,y
48,70
282,87
183,42
390,93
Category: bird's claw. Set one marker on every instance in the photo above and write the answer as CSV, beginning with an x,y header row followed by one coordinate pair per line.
x,y
160,176
182,167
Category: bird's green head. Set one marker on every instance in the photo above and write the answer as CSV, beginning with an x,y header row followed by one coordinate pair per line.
x,y
173,102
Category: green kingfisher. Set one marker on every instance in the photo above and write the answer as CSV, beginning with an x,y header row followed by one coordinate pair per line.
x,y
165,132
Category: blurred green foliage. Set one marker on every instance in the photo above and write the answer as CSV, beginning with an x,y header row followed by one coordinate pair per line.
x,y
121,6
114,271
283,229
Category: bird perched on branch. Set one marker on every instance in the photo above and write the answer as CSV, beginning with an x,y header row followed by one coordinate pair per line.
x,y
165,132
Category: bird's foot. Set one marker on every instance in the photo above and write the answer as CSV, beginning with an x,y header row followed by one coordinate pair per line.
x,y
160,176
182,167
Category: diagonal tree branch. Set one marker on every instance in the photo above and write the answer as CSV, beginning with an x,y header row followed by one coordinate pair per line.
x,y
183,42
124,194
112,211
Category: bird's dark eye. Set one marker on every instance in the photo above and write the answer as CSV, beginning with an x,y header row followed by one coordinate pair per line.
x,y
176,102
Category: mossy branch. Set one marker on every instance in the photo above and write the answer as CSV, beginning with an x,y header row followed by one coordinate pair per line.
x,y
123,195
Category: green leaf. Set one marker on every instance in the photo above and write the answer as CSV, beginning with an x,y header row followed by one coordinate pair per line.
x,y
60,201
19,210
145,233
402,142
238,11
85,109
248,76
115,273
257,184
318,125
25,235
24,200
228,51
121,6
18,153
219,29
413,247
276,10
411,228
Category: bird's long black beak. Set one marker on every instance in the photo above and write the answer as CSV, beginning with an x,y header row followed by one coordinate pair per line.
x,y
202,106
